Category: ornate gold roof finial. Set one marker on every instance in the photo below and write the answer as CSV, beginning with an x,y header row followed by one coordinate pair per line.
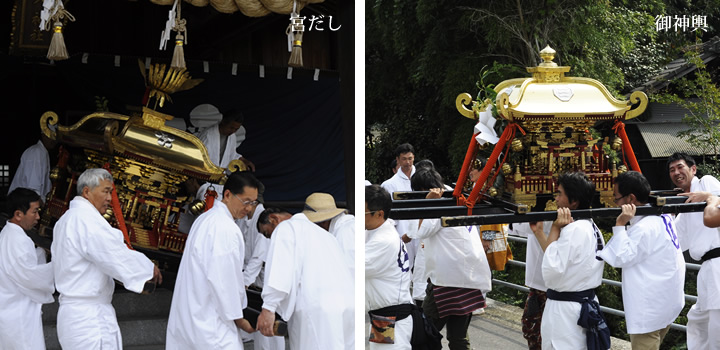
x,y
547,54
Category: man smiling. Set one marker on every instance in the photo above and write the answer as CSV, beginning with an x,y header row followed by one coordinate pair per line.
x,y
703,244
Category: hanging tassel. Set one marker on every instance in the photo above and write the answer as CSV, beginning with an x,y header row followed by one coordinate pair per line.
x,y
210,195
295,35
57,51
54,12
178,59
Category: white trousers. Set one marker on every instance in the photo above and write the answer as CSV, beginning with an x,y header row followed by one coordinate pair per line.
x,y
88,326
703,329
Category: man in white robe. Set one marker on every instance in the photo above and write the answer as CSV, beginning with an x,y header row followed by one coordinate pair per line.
x,y
87,255
320,208
653,267
256,248
307,283
25,282
221,141
209,294
704,316
387,269
34,169
569,263
400,182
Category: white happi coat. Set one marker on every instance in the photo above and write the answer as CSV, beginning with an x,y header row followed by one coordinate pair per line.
x,y
533,254
209,291
569,265
387,279
256,246
454,256
401,183
210,137
33,171
25,284
87,255
653,272
308,284
343,228
698,239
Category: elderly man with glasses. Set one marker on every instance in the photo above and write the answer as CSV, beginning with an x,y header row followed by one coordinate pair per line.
x,y
209,295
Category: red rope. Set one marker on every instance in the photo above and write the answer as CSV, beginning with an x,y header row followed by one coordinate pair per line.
x,y
619,129
117,211
507,135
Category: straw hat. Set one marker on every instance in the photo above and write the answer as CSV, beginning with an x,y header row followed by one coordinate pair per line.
x,y
321,207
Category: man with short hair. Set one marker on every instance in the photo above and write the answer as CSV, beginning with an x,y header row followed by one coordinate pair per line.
x,y
653,267
87,255
387,274
320,208
703,244
209,294
25,282
571,270
220,140
307,283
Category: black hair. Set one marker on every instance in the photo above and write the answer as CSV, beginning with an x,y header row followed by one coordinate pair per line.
x,y
425,179
578,188
378,198
680,156
264,217
633,182
232,115
20,199
425,164
238,180
404,148
393,164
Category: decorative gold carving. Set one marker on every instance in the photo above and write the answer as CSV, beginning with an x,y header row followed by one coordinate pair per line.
x,y
461,101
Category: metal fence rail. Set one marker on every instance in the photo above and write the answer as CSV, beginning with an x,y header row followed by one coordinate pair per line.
x,y
621,313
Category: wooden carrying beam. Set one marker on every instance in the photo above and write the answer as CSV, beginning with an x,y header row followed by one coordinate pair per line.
x,y
508,218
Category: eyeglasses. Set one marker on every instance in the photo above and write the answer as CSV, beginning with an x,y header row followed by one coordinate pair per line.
x,y
616,200
370,212
250,203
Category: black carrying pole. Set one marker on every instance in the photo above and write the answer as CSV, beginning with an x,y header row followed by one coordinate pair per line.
x,y
488,219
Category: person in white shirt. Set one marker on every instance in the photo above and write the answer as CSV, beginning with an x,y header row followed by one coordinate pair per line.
x,y
307,283
256,249
26,282
209,294
34,169
456,266
387,274
703,244
87,255
400,182
320,208
221,141
571,270
653,267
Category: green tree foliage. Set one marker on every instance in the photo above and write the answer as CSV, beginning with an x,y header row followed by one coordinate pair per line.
x,y
700,96
420,55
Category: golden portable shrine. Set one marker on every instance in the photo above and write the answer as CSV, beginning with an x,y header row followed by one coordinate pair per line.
x,y
550,120
150,162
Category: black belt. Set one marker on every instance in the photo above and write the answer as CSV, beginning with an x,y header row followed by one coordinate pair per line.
x,y
710,254
578,297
